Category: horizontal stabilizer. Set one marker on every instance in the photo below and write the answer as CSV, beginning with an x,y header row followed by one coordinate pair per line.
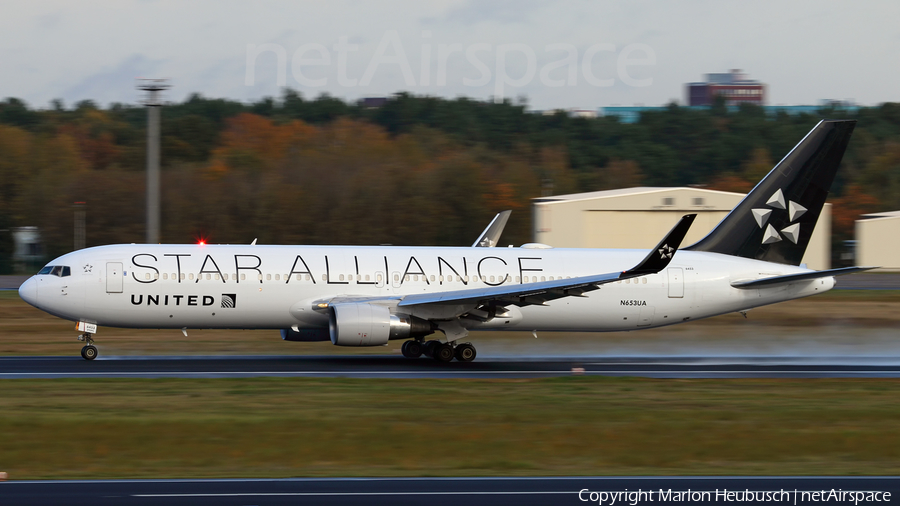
x,y
803,276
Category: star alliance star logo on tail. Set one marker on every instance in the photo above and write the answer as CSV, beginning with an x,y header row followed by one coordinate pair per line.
x,y
791,232
666,251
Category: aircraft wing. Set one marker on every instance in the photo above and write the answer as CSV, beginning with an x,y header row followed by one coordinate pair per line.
x,y
791,278
537,293
491,235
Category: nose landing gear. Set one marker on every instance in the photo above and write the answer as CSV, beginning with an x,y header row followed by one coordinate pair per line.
x,y
89,352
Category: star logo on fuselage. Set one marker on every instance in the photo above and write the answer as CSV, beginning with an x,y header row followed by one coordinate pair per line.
x,y
88,268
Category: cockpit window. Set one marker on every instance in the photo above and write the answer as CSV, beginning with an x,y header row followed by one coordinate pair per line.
x,y
57,270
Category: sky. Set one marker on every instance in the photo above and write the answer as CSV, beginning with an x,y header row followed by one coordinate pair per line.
x,y
561,54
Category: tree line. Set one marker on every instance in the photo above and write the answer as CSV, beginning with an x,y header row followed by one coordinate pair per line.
x,y
417,170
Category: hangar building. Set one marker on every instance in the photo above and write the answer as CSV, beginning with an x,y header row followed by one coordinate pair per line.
x,y
877,240
640,217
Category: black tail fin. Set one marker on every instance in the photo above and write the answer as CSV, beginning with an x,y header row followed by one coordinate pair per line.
x,y
776,219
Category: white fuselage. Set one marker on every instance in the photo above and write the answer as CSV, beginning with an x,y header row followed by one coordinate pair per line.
x,y
274,287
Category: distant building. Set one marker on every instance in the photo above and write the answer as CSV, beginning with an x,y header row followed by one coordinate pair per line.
x,y
28,247
372,102
582,113
632,114
824,105
572,113
734,86
627,113
877,240
640,217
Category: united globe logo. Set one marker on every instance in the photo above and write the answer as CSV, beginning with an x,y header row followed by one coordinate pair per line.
x,y
229,300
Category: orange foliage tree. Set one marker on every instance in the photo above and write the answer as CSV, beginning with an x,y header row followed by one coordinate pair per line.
x,y
848,208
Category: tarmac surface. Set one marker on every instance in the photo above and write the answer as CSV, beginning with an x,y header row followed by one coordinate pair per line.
x,y
453,491
399,367
12,282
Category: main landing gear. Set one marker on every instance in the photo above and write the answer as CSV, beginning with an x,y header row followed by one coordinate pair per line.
x,y
442,352
89,352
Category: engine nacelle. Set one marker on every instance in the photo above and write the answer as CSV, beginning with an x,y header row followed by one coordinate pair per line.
x,y
359,325
305,335
405,326
370,325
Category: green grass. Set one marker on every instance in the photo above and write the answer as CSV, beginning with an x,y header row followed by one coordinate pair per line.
x,y
9,295
280,427
861,295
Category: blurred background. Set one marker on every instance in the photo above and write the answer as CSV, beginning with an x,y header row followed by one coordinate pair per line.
x,y
298,123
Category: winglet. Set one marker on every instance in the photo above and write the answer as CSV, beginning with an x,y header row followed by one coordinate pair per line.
x,y
491,235
660,256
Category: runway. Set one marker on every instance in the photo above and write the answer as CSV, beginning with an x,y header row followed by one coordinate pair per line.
x,y
447,491
398,367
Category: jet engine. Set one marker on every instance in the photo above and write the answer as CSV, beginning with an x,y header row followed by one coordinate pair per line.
x,y
361,324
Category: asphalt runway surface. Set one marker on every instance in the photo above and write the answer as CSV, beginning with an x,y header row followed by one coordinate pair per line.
x,y
399,367
453,491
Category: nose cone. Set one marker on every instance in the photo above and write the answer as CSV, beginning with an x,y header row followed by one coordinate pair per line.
x,y
28,291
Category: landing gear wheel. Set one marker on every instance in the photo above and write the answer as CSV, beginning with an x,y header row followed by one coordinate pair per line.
x,y
443,352
429,347
465,352
89,352
412,349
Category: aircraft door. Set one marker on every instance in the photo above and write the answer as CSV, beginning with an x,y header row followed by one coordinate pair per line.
x,y
114,277
676,282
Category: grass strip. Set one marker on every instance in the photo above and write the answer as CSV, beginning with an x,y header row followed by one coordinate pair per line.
x,y
283,427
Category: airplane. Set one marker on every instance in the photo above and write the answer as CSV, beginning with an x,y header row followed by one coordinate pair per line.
x,y
369,295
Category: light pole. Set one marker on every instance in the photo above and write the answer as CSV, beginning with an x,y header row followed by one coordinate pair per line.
x,y
153,101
